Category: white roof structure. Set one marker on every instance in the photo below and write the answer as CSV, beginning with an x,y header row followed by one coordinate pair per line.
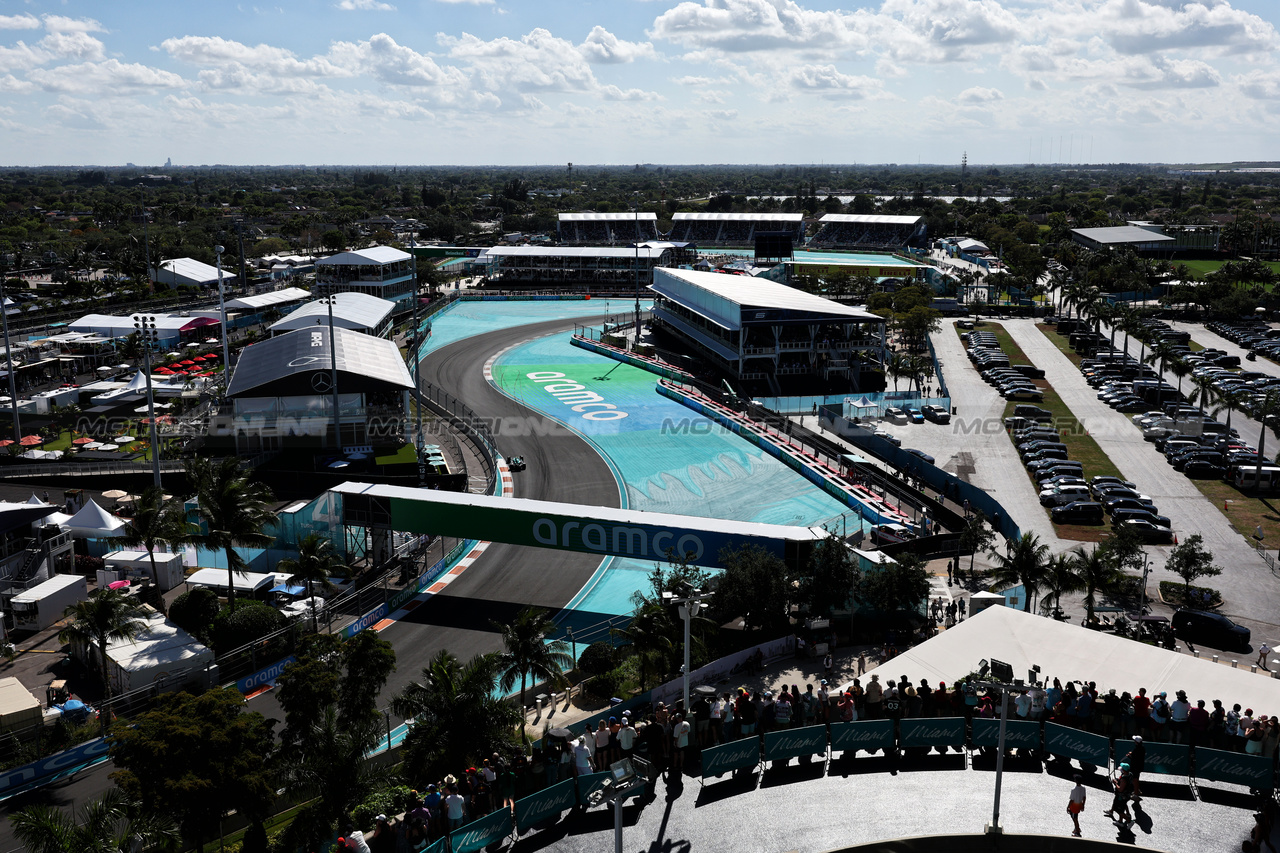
x,y
360,312
191,272
730,300
161,651
94,522
284,365
244,582
365,257
576,252
589,216
19,708
111,326
1063,650
737,217
870,219
260,301
1122,235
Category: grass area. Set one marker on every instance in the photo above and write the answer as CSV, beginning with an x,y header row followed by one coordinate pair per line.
x,y
1202,268
1060,341
1245,513
402,455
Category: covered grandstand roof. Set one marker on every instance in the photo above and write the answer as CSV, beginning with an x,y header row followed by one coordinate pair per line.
x,y
870,218
575,251
358,311
729,301
590,216
259,301
110,326
737,217
272,367
364,257
1119,235
190,271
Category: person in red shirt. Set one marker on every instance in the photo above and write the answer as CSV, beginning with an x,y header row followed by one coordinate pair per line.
x,y
1141,711
1198,723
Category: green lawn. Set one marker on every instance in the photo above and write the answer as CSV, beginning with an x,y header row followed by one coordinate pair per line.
x,y
1201,268
403,454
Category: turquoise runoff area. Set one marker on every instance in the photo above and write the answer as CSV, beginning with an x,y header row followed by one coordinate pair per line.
x,y
465,319
667,458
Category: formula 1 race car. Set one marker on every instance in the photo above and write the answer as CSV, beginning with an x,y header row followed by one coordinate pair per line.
x,y
516,463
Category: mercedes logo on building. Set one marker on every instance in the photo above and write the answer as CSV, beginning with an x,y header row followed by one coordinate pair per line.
x,y
321,383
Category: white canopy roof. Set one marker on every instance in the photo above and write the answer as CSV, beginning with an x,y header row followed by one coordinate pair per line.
x,y
162,647
364,257
244,582
1074,652
258,301
352,310
195,271
870,218
94,522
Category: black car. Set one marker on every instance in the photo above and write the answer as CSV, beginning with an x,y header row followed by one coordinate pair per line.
x,y
1113,504
1149,533
1199,628
1077,512
1140,515
925,456
1204,469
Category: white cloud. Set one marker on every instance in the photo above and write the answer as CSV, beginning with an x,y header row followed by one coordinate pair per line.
x,y
72,44
111,77
1263,85
62,24
214,52
365,6
980,95
828,82
19,22
394,64
752,25
603,46
9,83
1146,26
945,30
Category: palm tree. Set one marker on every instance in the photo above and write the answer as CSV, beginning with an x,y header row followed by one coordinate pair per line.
x,y
332,767
1059,577
648,635
315,564
529,653
235,512
155,523
1023,562
1267,411
113,823
1097,571
106,617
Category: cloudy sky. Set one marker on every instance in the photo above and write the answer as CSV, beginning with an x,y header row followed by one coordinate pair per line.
x,y
626,81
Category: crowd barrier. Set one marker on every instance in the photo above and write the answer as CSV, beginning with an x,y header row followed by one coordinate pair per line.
x,y
1256,772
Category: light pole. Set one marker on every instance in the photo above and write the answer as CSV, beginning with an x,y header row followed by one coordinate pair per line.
x,y
1146,567
417,364
147,336
8,357
636,345
222,309
690,604
333,371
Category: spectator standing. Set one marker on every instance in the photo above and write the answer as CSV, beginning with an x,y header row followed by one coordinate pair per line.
x,y
702,720
1110,709
1179,711
874,698
1142,711
717,720
627,738
1136,761
1263,650
455,806
1242,731
1159,715
1038,699
1075,804
581,757
1231,728
680,739
1198,724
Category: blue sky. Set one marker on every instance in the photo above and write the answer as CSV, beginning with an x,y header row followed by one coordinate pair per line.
x,y
656,81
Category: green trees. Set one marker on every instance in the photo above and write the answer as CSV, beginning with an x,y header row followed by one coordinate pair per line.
x,y
756,587
110,824
106,617
1059,577
234,510
1023,562
649,639
976,536
527,652
456,718
156,522
831,577
895,586
197,758
315,564
1098,570
1190,561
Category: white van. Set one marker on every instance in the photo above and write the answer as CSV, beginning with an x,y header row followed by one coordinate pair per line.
x,y
1249,478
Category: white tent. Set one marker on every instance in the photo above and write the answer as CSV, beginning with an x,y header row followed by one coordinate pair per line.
x,y
35,501
1067,651
163,653
94,522
58,518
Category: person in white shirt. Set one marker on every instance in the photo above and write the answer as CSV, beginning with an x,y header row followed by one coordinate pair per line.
x,y
455,806
1038,699
626,737
1263,651
717,720
581,757
1023,704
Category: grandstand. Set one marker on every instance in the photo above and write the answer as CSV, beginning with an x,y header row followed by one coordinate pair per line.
x,y
869,231
607,229
734,229
565,265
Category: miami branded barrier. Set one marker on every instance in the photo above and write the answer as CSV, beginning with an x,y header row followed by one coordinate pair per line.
x,y
1018,734
866,734
1173,759
795,743
728,757
479,834
547,803
1255,771
1071,743
941,731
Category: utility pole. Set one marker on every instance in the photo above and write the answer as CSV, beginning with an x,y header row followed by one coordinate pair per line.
x,y
333,371
222,309
8,357
147,335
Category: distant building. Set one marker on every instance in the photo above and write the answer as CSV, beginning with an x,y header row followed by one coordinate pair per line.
x,y
188,272
380,271
359,312
870,231
1133,237
607,229
581,265
734,229
171,329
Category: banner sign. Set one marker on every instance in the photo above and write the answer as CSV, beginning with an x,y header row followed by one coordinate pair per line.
x,y
265,676
59,762
731,756
373,617
1018,734
793,743
867,734
545,804
1255,771
1173,759
437,847
945,731
1072,743
479,834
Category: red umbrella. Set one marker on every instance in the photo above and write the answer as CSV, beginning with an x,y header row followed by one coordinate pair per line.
x,y
31,440
6,442
187,362
82,440
164,370
211,355
200,358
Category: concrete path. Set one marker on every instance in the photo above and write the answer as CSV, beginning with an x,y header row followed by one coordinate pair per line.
x,y
1246,583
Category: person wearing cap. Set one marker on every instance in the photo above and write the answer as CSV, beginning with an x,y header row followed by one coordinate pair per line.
x,y
383,839
1137,762
1159,719
1075,804
627,738
581,757
355,838
1123,784
874,697
1179,718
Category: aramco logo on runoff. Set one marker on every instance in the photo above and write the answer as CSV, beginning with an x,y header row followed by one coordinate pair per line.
x,y
589,404
617,539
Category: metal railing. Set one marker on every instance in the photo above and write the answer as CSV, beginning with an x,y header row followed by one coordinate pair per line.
x,y
63,469
468,424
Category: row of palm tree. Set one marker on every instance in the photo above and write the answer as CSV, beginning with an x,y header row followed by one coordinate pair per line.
x,y
1028,561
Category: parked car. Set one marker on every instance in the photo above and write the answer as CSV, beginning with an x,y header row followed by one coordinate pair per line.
x,y
895,415
937,414
1204,469
881,432
913,414
1200,628
925,456
1078,512
1148,532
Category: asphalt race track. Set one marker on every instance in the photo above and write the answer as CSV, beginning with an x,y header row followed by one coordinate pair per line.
x,y
499,584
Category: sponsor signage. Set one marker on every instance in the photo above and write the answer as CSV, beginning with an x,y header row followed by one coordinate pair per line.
x,y
570,533
1255,771
438,846
479,834
731,756
366,621
547,803
265,676
867,734
793,743
936,731
1072,743
1173,759
1018,734
60,762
